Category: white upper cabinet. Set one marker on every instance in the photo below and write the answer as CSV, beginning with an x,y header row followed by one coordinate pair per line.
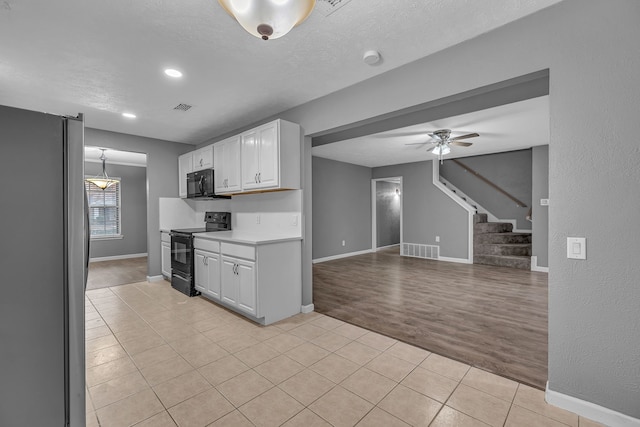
x,y
226,164
185,166
203,158
271,157
261,159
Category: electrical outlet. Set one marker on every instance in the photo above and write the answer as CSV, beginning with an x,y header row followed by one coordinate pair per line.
x,y
294,220
258,219
437,239
344,243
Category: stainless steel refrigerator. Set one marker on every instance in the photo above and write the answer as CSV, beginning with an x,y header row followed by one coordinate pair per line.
x,y
43,254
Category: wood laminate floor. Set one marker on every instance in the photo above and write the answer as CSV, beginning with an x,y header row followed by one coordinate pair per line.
x,y
493,318
103,274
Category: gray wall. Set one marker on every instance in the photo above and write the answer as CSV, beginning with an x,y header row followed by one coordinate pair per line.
x,y
388,204
162,177
593,89
510,171
540,214
133,211
427,212
341,208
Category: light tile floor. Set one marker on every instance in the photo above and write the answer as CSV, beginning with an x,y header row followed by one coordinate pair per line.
x,y
157,358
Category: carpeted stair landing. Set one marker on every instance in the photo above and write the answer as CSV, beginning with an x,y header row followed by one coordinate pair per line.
x,y
495,243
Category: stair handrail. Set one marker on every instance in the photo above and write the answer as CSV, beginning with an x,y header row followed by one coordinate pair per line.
x,y
519,203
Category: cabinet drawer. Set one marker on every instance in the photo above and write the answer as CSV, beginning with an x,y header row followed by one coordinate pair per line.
x,y
239,251
206,245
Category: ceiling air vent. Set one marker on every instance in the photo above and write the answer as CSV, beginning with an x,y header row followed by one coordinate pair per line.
x,y
327,7
182,107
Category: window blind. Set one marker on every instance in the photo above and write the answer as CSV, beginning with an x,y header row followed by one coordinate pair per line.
x,y
104,210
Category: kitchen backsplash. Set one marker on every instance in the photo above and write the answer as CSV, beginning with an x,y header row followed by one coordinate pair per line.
x,y
276,212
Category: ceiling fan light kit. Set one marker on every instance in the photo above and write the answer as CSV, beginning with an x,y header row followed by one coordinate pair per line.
x,y
268,19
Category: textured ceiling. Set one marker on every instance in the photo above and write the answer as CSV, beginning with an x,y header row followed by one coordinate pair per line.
x,y
102,58
508,127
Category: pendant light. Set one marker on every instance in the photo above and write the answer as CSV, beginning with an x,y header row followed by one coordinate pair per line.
x,y
268,19
103,181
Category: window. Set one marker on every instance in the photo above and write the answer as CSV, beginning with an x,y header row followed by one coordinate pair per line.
x,y
104,211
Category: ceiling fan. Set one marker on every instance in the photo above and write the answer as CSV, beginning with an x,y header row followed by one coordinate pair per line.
x,y
442,139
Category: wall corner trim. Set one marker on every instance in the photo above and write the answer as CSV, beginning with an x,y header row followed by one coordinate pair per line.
x,y
155,278
590,410
307,308
535,267
347,255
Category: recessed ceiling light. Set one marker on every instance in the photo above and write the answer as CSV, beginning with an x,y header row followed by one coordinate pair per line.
x,y
129,115
173,73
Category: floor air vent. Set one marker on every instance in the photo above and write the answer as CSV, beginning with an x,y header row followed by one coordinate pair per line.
x,y
420,251
182,107
327,7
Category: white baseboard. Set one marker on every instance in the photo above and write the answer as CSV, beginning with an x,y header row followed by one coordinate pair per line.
x,y
534,265
117,257
350,254
386,247
307,308
155,278
590,410
458,260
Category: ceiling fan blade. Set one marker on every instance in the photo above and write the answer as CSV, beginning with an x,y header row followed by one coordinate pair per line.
x,y
460,143
469,135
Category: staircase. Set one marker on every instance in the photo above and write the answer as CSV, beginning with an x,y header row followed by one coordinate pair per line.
x,y
494,243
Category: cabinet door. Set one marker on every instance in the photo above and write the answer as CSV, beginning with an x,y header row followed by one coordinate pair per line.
x,y
166,259
250,160
219,169
268,144
233,166
246,286
201,272
213,272
203,158
185,166
228,284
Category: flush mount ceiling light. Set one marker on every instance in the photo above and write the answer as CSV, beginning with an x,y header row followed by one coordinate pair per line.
x,y
103,181
268,19
129,115
173,73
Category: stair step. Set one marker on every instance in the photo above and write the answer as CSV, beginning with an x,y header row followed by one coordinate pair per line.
x,y
517,249
520,262
492,227
496,238
478,218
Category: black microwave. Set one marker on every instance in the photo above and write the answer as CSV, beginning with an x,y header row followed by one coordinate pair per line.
x,y
200,185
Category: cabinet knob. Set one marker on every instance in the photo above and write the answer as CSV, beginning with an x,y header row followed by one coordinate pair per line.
x,y
259,176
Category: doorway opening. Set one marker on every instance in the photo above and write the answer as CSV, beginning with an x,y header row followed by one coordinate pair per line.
x,y
386,213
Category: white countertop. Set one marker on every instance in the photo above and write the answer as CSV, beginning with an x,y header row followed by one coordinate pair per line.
x,y
247,237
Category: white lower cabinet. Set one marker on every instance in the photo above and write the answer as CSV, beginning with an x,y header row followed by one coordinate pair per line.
x,y
260,281
207,273
165,250
239,284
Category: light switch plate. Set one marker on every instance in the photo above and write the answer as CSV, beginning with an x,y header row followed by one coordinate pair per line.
x,y
576,248
544,202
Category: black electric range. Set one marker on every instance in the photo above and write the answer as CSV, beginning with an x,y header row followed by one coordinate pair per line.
x,y
182,257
